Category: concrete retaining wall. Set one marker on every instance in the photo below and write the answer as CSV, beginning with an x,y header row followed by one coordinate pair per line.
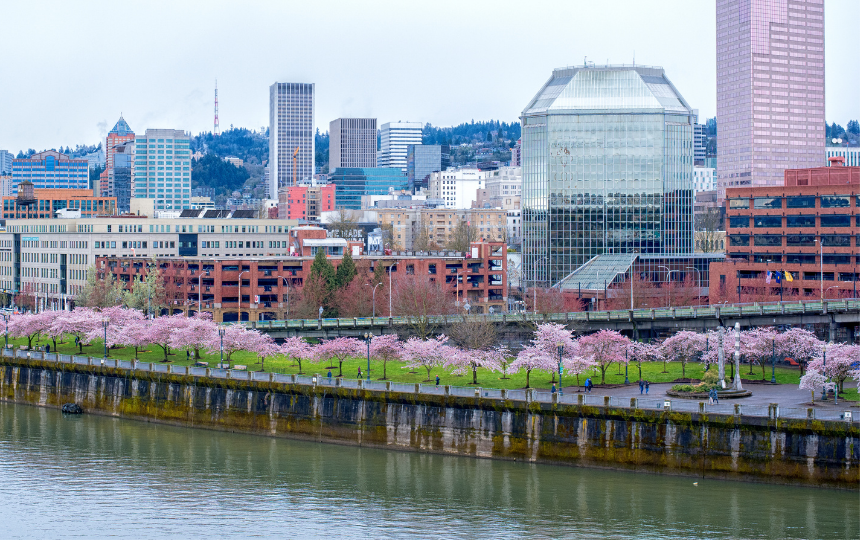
x,y
802,451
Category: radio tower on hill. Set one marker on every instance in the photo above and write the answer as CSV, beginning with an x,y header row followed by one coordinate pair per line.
x,y
217,130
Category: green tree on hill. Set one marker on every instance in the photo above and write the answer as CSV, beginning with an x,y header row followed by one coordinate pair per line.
x,y
345,271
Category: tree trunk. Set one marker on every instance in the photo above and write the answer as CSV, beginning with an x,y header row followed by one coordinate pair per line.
x,y
762,371
428,373
340,368
603,373
528,374
474,374
664,367
683,369
384,368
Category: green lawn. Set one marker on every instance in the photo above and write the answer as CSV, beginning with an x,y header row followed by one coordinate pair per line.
x,y
652,372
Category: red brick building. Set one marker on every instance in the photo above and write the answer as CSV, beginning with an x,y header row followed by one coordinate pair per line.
x,y
48,201
810,228
260,288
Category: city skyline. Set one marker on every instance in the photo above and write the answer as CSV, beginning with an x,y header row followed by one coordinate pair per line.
x,y
363,84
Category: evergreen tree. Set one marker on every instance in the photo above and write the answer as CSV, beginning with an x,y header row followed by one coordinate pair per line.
x,y
323,269
345,271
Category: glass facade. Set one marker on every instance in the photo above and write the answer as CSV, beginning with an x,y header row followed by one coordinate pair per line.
x,y
352,182
607,168
423,159
51,170
162,169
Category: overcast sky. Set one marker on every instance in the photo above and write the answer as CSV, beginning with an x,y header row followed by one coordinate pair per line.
x,y
70,68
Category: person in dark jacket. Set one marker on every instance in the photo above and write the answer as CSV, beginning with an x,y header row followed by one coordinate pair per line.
x,y
437,380
641,386
647,386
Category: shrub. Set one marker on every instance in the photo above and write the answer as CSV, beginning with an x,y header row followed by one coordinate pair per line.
x,y
682,388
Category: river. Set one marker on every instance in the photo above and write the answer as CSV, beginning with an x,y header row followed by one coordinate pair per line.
x,y
92,476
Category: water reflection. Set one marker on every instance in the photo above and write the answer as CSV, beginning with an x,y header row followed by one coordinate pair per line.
x,y
101,476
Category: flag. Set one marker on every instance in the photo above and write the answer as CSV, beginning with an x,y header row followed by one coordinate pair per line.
x,y
767,279
788,276
778,276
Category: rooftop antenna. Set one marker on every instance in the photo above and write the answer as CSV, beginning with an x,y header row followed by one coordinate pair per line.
x,y
634,58
217,130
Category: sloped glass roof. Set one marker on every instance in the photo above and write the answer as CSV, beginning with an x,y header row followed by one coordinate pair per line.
x,y
608,88
598,273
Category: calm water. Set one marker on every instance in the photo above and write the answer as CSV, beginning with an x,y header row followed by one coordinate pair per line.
x,y
92,476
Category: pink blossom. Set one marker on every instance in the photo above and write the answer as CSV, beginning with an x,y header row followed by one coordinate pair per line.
x,y
798,344
160,330
604,348
338,349
426,354
79,322
196,333
841,361
531,358
298,349
386,347
236,338
683,346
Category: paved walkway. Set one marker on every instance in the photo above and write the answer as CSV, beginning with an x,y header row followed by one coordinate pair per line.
x,y
786,395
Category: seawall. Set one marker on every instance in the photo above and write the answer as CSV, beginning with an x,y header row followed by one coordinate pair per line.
x,y
794,451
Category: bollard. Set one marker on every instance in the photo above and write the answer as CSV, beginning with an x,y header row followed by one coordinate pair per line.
x,y
555,398
293,378
773,411
702,407
606,401
477,392
667,405
388,386
634,403
338,381
737,409
417,388
504,394
271,377
580,400
229,375
447,389
207,372
187,370
360,384
810,413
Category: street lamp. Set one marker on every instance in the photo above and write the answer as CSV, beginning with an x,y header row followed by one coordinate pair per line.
x,y
374,296
668,278
560,367
828,288
368,336
105,323
221,335
824,368
6,334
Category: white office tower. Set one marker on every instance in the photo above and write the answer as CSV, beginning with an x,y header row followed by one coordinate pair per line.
x,y
5,162
352,143
395,138
291,134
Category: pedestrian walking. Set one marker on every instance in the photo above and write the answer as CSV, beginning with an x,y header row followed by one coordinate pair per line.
x,y
359,372
437,380
716,396
588,385
641,387
553,388
647,386
711,396
329,376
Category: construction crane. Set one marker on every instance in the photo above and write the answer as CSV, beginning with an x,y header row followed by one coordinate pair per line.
x,y
296,153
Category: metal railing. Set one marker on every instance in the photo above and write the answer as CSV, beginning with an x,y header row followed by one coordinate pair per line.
x,y
772,411
649,314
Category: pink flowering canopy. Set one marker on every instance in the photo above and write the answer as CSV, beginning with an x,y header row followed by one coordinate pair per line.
x,y
604,348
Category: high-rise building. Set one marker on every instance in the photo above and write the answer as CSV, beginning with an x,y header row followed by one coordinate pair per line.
x,y
306,202
51,170
352,143
517,154
770,90
423,159
704,179
291,133
5,162
457,188
607,168
395,138
700,150
162,168
121,176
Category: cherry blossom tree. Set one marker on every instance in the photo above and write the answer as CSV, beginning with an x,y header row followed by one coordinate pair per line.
x,y
813,381
645,352
298,349
841,361
161,330
338,349
195,334
604,348
462,360
798,344
46,318
547,339
531,358
135,334
79,323
386,347
427,354
683,346
758,346
503,359
265,347
577,365
119,319
26,325
236,338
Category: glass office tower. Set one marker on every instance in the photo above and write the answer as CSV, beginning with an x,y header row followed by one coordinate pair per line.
x,y
607,168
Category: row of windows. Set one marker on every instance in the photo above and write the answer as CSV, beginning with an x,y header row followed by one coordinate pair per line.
x,y
793,258
827,240
800,201
827,220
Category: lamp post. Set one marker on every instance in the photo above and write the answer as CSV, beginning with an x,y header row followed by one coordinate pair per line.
x,y
374,297
200,292
828,288
560,367
824,388
668,278
240,296
368,336
6,332
221,335
390,290
626,366
105,323
698,278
